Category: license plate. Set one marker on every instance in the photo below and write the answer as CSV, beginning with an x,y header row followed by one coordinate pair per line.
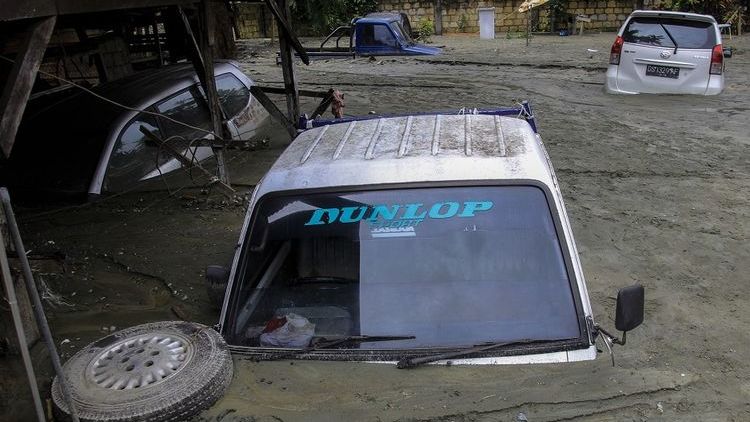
x,y
663,71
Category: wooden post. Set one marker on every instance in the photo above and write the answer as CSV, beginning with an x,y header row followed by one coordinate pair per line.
x,y
202,59
287,67
157,41
187,161
274,111
18,327
21,79
208,42
285,29
439,17
528,26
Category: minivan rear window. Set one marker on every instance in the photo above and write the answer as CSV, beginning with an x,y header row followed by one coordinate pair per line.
x,y
657,31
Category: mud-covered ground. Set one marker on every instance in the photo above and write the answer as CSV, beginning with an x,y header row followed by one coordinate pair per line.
x,y
656,187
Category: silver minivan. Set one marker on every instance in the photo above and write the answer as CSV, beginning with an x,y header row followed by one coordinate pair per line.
x,y
659,52
81,147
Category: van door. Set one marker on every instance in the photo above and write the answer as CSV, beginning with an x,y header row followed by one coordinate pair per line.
x,y
666,55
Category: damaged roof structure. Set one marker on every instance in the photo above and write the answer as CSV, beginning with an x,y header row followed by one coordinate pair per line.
x,y
48,47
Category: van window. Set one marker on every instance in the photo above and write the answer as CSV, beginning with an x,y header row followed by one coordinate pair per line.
x,y
133,156
233,94
187,106
657,31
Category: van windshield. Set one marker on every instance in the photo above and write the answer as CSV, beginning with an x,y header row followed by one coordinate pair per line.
x,y
450,266
687,33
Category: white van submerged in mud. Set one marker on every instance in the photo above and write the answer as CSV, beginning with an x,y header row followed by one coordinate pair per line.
x,y
409,240
413,239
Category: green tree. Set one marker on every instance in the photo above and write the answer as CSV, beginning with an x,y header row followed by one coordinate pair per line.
x,y
719,9
323,16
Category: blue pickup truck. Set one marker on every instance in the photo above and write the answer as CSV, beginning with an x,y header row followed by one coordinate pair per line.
x,y
377,34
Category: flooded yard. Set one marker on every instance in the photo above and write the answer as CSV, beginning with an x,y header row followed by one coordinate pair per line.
x,y
656,189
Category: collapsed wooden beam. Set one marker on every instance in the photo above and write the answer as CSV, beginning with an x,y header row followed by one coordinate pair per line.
x,y
324,104
188,162
287,68
274,111
302,92
287,32
21,79
202,59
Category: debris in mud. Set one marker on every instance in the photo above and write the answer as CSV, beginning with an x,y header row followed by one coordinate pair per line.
x,y
49,296
180,313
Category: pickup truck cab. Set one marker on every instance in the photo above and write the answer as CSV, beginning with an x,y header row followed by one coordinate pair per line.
x,y
412,239
377,34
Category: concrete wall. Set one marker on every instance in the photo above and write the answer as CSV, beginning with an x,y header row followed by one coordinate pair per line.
x,y
461,16
253,20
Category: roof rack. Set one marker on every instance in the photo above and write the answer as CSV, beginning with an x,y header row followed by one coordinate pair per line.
x,y
522,111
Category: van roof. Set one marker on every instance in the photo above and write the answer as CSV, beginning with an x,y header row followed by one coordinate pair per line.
x,y
411,149
673,15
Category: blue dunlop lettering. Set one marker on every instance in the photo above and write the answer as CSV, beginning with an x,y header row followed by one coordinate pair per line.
x,y
397,216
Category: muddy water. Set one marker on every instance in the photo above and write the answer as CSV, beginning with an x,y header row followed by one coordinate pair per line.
x,y
656,188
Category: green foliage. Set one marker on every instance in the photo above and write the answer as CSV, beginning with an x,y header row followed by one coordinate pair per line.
x,y
323,16
463,22
557,7
557,12
424,30
718,8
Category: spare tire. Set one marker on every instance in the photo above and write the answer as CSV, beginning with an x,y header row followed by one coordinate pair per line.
x,y
162,371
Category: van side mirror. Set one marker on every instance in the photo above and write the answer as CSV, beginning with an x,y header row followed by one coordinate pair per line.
x,y
217,278
629,312
216,274
628,315
728,52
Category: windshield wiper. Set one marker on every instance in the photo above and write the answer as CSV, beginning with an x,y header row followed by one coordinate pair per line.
x,y
324,343
670,37
408,363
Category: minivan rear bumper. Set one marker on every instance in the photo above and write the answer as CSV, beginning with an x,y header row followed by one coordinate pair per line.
x,y
610,86
714,87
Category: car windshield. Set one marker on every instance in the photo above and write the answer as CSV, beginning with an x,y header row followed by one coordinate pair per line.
x,y
399,30
450,266
657,31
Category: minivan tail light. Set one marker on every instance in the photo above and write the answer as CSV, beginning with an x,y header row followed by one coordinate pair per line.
x,y
614,55
717,60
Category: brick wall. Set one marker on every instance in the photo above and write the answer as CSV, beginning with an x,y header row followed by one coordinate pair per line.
x,y
253,20
461,16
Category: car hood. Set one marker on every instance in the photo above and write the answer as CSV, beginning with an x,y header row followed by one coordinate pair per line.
x,y
421,49
325,391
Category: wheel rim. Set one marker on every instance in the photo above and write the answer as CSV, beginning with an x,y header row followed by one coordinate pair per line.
x,y
140,361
